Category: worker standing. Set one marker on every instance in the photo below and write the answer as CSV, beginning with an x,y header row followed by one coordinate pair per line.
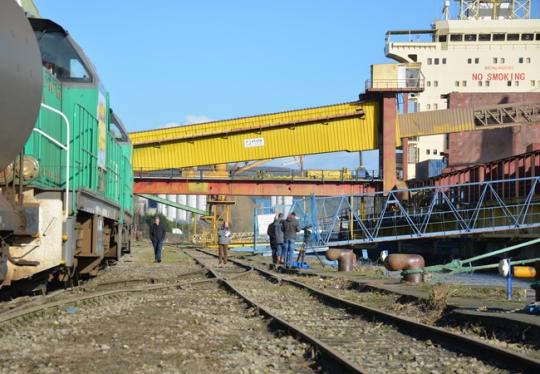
x,y
290,227
224,239
279,238
271,232
157,236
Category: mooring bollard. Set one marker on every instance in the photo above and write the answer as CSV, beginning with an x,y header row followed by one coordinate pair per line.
x,y
402,261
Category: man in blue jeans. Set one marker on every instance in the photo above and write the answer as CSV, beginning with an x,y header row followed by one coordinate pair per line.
x,y
290,228
157,236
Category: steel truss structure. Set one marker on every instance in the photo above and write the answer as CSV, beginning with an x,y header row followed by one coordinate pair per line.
x,y
508,114
428,212
517,9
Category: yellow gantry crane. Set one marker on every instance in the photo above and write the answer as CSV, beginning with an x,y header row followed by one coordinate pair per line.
x,y
348,127
342,127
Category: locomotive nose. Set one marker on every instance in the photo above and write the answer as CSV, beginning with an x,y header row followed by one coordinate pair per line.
x,y
21,80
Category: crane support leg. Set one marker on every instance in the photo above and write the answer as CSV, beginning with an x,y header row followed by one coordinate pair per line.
x,y
387,140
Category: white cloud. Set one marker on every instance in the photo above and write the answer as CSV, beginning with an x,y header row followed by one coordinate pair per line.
x,y
190,119
171,124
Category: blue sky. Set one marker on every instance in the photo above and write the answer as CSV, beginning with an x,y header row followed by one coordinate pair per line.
x,y
182,61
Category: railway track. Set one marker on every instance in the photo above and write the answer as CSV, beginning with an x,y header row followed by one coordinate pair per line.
x,y
187,326
358,338
434,310
23,311
494,329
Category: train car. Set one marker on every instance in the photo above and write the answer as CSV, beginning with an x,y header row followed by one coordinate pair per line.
x,y
66,199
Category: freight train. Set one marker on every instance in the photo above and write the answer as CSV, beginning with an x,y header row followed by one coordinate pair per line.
x,y
66,183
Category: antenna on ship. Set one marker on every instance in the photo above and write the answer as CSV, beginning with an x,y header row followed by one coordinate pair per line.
x,y
494,9
446,10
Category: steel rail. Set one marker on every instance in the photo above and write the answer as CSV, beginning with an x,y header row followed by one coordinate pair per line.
x,y
5,307
11,315
144,280
465,344
329,353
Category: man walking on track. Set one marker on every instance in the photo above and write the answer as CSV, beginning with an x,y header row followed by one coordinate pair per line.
x,y
157,236
224,239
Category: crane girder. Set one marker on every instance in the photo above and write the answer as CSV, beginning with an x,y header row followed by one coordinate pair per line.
x,y
341,127
348,127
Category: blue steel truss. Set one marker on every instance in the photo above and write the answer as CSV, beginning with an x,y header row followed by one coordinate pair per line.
x,y
428,212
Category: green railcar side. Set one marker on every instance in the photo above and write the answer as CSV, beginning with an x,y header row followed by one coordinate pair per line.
x,y
79,103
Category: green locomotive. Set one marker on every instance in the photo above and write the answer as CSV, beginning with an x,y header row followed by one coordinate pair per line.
x,y
66,199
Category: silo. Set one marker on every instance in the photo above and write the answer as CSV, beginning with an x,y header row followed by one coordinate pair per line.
x,y
192,202
162,209
171,211
287,200
181,214
201,202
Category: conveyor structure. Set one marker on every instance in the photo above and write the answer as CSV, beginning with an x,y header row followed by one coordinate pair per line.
x,y
352,127
342,127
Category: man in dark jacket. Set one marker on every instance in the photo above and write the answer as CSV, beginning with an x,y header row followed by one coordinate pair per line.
x,y
275,233
290,228
279,238
157,236
271,232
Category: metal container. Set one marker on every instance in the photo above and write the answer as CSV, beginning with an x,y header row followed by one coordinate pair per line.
x,y
429,168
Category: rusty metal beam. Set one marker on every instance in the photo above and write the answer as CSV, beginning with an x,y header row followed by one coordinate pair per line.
x,y
519,166
252,187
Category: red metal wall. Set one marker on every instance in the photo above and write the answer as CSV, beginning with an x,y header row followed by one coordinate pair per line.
x,y
466,149
526,165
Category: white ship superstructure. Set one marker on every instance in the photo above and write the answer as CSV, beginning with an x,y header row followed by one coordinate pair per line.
x,y
493,46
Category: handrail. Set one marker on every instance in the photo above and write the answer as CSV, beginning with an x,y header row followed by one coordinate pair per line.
x,y
65,147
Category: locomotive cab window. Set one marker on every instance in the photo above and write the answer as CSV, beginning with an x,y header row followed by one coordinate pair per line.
x,y
117,129
60,57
